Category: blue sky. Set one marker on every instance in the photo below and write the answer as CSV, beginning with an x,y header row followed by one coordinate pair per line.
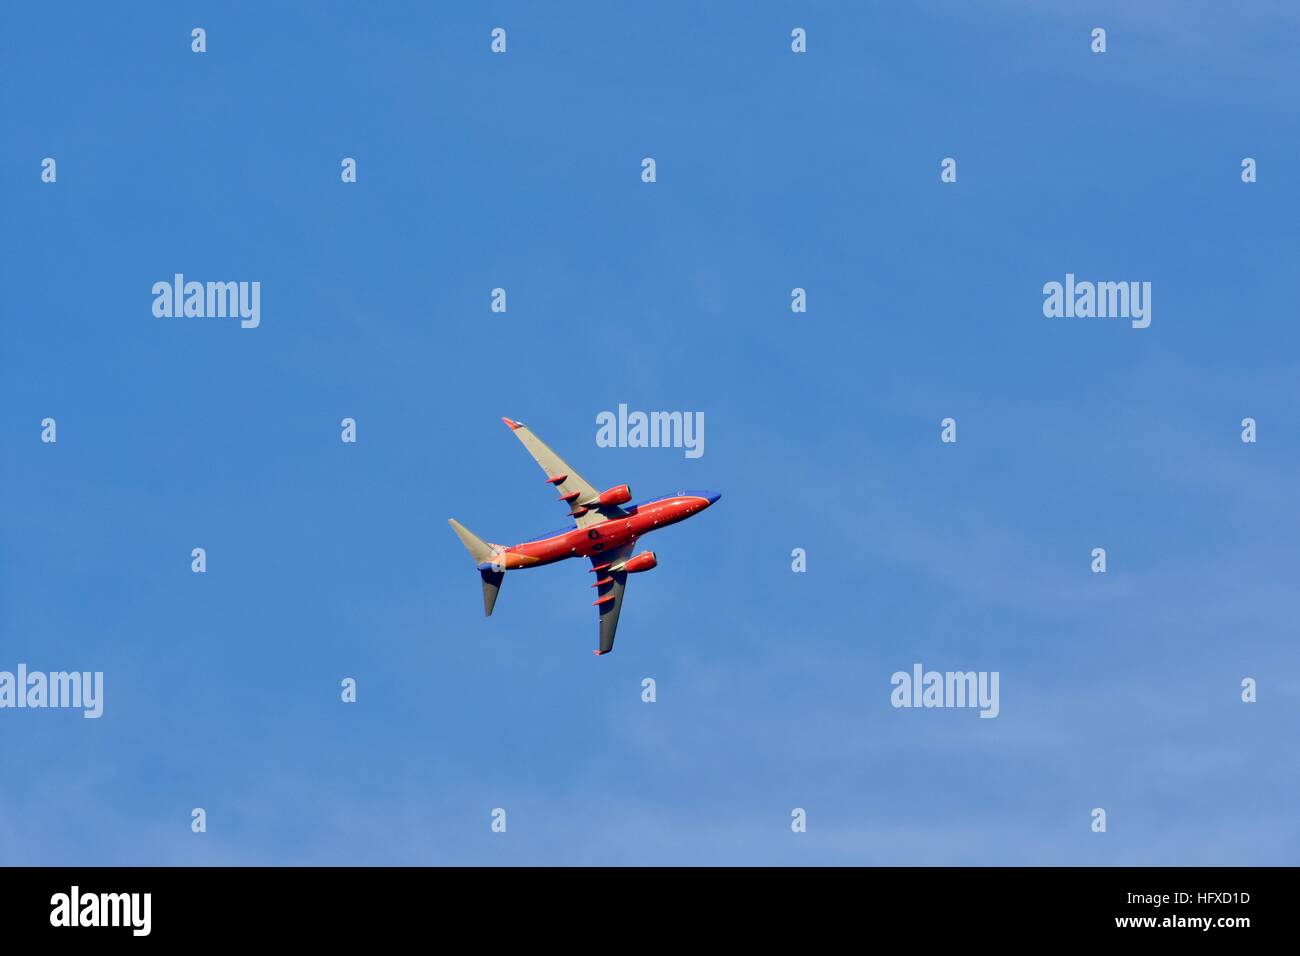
x,y
775,170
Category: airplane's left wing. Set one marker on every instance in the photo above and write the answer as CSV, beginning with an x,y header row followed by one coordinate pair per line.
x,y
573,488
610,587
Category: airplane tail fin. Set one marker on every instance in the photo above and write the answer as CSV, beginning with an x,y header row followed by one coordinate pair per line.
x,y
482,553
478,549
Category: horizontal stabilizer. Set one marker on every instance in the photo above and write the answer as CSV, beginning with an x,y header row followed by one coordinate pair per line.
x,y
482,552
491,585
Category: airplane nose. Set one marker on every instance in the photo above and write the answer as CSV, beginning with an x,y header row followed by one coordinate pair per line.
x,y
712,496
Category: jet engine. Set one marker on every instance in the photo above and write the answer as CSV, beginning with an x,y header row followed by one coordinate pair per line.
x,y
619,495
640,562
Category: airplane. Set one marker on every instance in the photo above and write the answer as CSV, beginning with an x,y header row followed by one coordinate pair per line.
x,y
603,531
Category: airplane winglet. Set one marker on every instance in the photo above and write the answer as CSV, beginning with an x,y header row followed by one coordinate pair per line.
x,y
514,426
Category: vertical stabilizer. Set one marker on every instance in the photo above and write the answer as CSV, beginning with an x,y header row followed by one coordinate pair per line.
x,y
482,552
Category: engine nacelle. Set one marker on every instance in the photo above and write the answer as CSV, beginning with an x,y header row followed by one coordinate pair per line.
x,y
641,562
619,495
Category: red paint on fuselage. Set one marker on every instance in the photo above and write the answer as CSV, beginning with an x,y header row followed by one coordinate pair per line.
x,y
597,539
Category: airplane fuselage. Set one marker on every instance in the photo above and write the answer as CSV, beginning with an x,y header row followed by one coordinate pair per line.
x,y
596,539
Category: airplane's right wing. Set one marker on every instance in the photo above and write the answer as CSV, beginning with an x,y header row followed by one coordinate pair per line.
x,y
573,488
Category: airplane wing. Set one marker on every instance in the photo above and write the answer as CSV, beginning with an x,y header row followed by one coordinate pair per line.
x,y
610,588
573,488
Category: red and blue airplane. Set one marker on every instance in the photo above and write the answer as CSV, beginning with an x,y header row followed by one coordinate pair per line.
x,y
602,531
